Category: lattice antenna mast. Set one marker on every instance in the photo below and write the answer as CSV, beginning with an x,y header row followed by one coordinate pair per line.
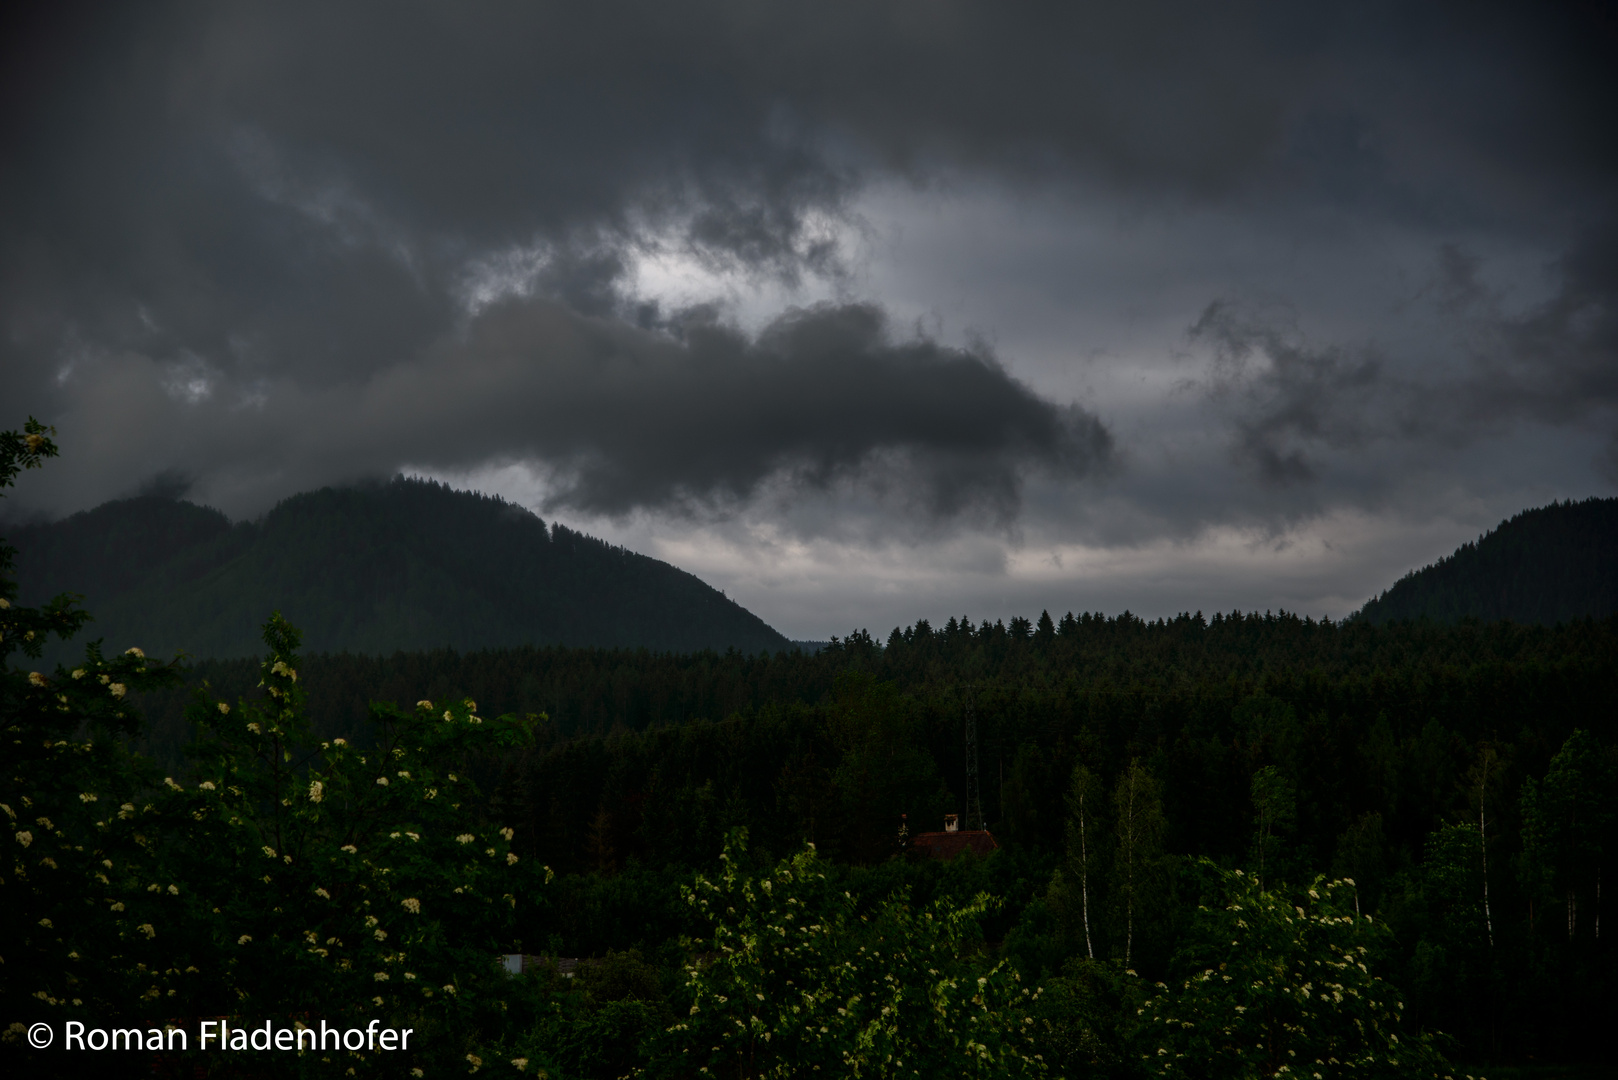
x,y
974,798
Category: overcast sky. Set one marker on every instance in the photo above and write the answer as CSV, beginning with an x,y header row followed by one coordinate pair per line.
x,y
864,312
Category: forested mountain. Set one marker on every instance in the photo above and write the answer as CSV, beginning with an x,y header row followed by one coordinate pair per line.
x,y
405,565
1550,565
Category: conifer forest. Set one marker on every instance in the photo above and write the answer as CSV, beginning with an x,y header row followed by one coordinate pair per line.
x,y
1231,845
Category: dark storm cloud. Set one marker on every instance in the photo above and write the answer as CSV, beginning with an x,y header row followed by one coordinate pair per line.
x,y
822,396
230,231
702,418
1290,403
1557,361
1290,399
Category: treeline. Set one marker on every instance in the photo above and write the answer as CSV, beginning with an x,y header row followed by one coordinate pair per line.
x,y
1362,718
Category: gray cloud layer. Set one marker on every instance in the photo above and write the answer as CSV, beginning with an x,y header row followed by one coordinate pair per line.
x,y
818,395
1553,362
253,247
632,418
690,420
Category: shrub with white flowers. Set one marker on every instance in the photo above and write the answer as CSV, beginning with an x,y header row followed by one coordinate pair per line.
x,y
260,883
70,887
795,979
1274,984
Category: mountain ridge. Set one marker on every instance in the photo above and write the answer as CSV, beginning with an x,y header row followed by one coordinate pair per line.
x,y
375,568
412,564
1549,564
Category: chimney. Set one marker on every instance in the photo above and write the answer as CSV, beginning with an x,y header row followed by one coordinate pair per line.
x,y
952,822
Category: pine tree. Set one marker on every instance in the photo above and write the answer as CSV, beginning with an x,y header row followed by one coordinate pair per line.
x,y
1045,630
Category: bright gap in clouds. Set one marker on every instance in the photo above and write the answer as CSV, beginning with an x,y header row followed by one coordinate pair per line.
x,y
660,267
664,269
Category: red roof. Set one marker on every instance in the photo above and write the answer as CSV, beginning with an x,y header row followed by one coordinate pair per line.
x,y
947,845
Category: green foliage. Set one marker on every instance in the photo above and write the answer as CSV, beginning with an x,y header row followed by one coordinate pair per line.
x,y
1362,854
1567,819
331,877
1079,892
1274,985
24,628
286,878
1274,811
1138,866
1453,972
25,449
1453,874
1086,1018
66,775
607,1020
794,979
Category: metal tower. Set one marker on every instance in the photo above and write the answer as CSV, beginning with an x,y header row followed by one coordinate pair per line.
x,y
974,798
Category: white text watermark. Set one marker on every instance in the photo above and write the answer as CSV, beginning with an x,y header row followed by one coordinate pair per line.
x,y
222,1034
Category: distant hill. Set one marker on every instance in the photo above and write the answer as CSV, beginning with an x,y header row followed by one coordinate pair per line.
x,y
1550,565
377,568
